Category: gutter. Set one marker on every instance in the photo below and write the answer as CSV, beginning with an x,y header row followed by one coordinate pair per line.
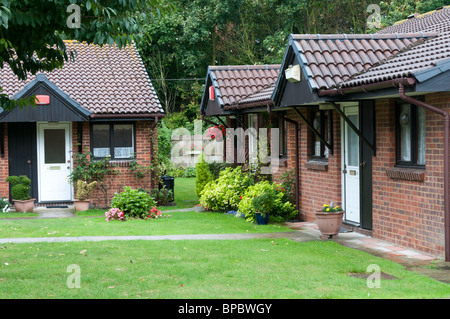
x,y
368,87
446,116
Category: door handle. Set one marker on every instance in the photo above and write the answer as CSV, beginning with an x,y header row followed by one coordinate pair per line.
x,y
362,164
344,171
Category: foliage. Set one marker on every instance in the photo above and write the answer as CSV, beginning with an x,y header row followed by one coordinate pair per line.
x,y
204,175
84,190
4,205
264,203
281,208
288,185
223,194
115,214
190,172
21,186
89,170
331,208
31,42
162,196
133,203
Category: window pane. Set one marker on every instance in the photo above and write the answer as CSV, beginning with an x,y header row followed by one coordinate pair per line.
x,y
405,132
420,136
55,146
317,127
123,140
101,140
353,142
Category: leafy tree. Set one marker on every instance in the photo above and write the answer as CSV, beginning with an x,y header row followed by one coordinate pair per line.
x,y
32,31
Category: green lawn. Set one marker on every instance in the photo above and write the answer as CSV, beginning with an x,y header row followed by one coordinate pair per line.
x,y
239,269
178,223
232,269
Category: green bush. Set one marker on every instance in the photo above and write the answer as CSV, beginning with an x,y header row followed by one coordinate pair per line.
x,y
281,209
190,172
133,203
223,194
21,186
204,175
162,196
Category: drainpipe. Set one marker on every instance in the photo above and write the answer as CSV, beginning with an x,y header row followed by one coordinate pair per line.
x,y
297,157
446,161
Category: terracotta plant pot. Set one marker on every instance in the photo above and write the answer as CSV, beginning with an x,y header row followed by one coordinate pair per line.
x,y
24,206
81,205
329,224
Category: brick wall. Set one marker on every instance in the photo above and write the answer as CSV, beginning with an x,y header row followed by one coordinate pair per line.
x,y
410,213
146,150
4,167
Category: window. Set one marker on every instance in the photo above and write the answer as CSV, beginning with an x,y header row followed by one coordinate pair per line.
x,y
321,121
410,135
282,135
115,140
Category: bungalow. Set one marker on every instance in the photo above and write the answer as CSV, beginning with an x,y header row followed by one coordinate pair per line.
x,y
103,101
368,128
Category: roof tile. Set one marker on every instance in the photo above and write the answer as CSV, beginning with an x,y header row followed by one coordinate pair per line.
x,y
97,79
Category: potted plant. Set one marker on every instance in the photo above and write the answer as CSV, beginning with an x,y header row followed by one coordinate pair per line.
x,y
20,192
329,220
263,205
83,196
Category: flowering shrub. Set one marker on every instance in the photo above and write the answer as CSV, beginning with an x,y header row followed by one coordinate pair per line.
x,y
216,132
4,205
280,208
114,214
133,203
223,194
154,213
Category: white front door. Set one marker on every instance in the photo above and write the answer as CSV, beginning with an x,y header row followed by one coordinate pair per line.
x,y
350,169
54,161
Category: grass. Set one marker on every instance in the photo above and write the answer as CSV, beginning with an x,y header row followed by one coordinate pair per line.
x,y
239,269
179,223
215,269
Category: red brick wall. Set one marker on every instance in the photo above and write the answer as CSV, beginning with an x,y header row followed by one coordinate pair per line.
x,y
4,167
146,150
410,213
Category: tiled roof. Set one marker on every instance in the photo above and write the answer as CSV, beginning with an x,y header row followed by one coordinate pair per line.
x,y
332,59
418,58
244,83
104,80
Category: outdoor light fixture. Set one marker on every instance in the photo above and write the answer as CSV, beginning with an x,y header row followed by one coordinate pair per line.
x,y
293,73
404,119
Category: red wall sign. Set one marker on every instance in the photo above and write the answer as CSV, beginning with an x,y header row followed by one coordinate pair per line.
x,y
42,99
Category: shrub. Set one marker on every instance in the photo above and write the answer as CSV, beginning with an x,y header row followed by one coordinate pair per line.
x,y
281,209
4,205
154,213
84,190
21,186
223,194
133,203
204,175
190,172
162,196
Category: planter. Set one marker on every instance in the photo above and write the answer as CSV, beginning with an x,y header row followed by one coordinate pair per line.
x,y
81,205
261,219
24,206
329,224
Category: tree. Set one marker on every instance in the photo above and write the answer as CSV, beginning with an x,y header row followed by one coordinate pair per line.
x,y
32,31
